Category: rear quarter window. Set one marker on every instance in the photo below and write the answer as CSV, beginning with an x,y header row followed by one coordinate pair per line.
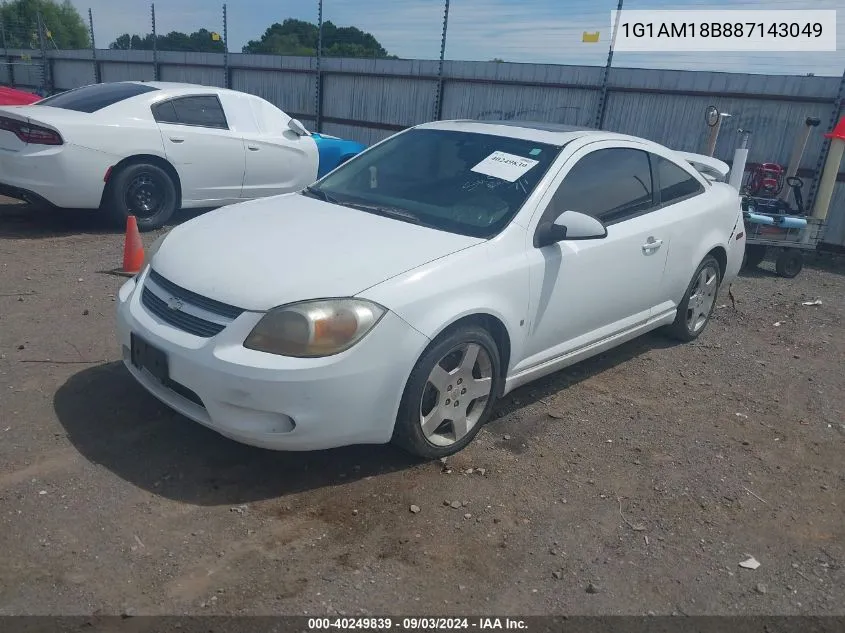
x,y
96,97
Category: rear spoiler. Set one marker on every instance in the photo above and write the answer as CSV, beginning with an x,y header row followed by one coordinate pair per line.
x,y
711,168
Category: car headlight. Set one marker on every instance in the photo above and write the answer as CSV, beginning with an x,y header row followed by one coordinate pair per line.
x,y
150,253
314,328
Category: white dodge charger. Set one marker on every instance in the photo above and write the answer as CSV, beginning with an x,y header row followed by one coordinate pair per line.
x,y
402,294
149,148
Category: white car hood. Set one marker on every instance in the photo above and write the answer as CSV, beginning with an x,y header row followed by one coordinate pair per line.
x,y
264,253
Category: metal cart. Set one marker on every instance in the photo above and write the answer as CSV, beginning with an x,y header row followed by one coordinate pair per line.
x,y
790,243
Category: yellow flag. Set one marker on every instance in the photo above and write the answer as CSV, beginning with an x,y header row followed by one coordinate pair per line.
x,y
591,38
216,37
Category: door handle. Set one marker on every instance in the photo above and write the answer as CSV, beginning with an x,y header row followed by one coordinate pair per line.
x,y
177,139
651,245
253,148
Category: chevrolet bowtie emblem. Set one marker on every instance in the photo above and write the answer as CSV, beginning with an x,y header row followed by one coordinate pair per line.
x,y
174,303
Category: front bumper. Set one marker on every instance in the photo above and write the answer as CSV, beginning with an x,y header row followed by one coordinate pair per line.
x,y
272,401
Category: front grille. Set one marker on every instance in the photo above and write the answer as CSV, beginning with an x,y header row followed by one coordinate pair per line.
x,y
186,393
159,292
216,307
182,320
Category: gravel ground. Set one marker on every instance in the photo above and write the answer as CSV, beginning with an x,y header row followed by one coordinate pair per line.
x,y
635,482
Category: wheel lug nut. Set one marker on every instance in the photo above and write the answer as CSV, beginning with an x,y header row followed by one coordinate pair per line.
x,y
457,403
463,391
448,401
460,380
449,388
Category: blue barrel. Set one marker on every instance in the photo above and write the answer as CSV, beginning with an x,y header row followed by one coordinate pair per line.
x,y
791,222
759,218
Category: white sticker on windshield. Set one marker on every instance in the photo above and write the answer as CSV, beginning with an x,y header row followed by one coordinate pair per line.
x,y
505,166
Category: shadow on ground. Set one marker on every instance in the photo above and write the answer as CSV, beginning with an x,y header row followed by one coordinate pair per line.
x,y
114,422
25,221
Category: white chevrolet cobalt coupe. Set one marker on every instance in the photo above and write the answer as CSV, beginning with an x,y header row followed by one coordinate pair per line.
x,y
399,296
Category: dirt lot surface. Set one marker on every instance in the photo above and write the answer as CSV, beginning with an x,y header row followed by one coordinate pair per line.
x,y
633,483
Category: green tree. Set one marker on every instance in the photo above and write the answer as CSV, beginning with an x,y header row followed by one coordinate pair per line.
x,y
297,37
201,41
64,27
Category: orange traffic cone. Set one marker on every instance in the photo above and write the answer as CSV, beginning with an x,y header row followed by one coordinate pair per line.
x,y
133,248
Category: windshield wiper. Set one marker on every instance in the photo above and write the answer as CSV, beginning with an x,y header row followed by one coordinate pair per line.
x,y
319,193
384,210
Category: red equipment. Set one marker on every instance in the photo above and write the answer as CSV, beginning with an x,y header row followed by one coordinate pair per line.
x,y
766,180
10,96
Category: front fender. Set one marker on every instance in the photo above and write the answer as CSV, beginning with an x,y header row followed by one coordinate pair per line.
x,y
488,279
331,150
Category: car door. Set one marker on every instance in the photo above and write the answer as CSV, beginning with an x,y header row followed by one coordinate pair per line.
x,y
586,291
207,154
685,218
277,159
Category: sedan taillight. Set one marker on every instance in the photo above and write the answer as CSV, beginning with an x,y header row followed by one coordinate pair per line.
x,y
30,134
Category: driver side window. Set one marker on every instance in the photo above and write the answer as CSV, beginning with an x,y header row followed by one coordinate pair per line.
x,y
611,185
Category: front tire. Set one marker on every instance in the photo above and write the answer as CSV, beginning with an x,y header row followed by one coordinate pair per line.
x,y
697,306
144,190
450,393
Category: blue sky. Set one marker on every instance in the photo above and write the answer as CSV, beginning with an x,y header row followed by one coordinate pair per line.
x,y
546,31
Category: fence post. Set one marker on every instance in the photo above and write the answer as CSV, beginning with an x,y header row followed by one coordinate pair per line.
x,y
42,42
155,43
6,60
318,87
227,79
835,115
438,97
9,63
605,77
97,78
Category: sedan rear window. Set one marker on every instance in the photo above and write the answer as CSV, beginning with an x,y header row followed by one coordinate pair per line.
x,y
462,182
96,97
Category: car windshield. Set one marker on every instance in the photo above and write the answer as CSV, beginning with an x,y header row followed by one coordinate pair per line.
x,y
462,182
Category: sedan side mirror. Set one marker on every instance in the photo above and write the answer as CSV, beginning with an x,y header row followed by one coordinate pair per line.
x,y
570,225
297,127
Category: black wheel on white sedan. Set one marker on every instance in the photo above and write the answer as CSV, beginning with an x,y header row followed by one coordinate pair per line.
x,y
145,191
698,303
450,393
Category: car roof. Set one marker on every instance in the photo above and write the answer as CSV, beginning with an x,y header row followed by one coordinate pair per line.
x,y
537,131
176,89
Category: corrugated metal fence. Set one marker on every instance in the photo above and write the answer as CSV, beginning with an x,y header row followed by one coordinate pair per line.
x,y
368,99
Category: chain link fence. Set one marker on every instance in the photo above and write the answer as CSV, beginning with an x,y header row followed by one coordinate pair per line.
x,y
23,40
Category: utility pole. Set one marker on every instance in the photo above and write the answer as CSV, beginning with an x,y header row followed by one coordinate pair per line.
x,y
602,105
97,78
438,98
155,43
227,79
318,88
42,41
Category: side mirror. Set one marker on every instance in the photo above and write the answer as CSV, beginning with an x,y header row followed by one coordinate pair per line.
x,y
297,127
569,225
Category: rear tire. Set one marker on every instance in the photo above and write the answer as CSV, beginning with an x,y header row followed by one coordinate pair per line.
x,y
789,263
144,190
699,301
450,393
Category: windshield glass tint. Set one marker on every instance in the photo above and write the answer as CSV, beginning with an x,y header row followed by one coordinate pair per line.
x,y
461,182
95,97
